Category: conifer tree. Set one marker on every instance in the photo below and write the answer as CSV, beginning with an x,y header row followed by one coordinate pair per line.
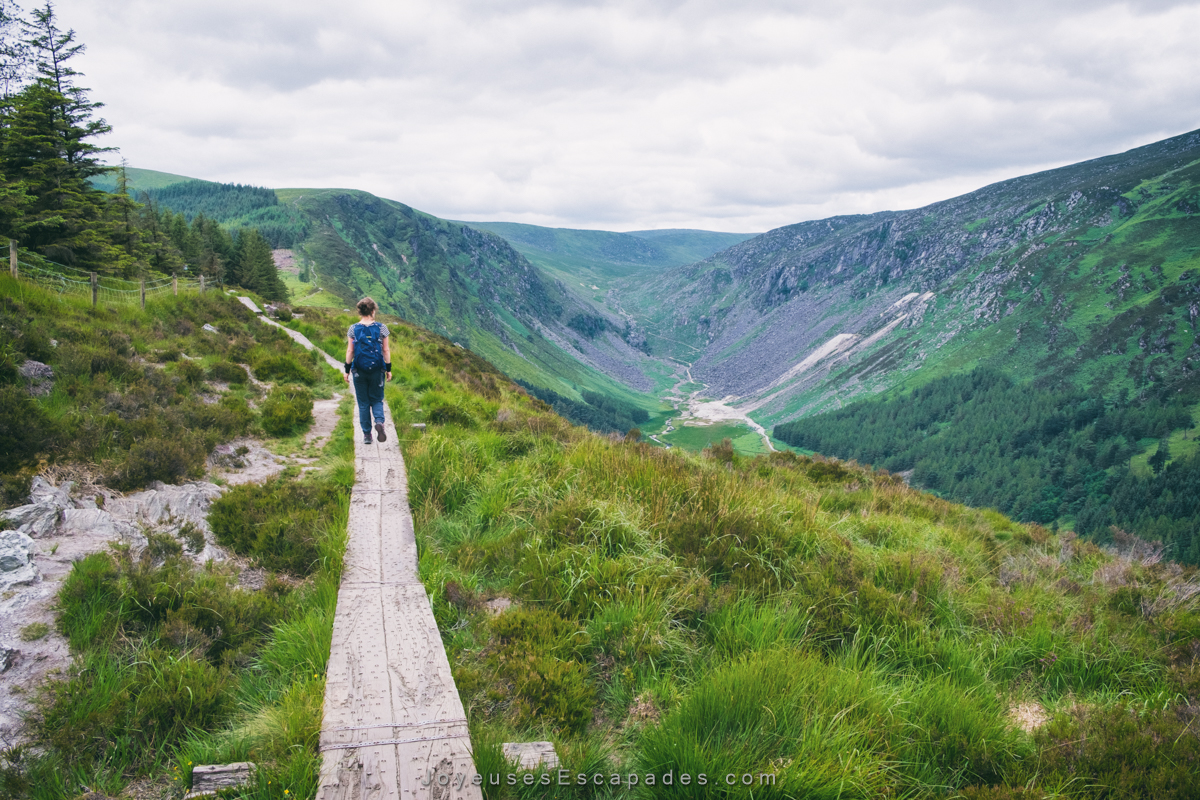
x,y
256,266
1160,457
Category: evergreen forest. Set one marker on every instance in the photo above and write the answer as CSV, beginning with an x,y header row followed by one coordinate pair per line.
x,y
598,412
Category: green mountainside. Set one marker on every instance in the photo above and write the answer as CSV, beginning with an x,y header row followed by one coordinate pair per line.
x,y
468,285
1082,273
1080,285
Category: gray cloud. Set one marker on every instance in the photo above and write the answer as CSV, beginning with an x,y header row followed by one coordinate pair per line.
x,y
636,115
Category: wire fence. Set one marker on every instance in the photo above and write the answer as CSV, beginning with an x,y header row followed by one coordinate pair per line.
x,y
65,280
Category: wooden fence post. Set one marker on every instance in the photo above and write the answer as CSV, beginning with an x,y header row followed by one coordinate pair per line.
x,y
12,257
95,289
202,284
143,295
175,286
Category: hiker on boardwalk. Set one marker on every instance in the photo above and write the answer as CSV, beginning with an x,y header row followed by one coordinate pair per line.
x,y
369,358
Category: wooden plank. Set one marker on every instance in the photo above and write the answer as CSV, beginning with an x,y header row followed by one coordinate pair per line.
x,y
529,755
361,561
398,544
394,724
365,773
357,690
209,779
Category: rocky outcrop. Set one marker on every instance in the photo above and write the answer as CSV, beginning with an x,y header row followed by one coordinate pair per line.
x,y
42,539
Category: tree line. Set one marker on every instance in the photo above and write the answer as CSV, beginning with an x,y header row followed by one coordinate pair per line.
x,y
1046,455
599,412
49,157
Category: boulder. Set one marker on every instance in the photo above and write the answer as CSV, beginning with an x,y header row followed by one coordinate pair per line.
x,y
38,376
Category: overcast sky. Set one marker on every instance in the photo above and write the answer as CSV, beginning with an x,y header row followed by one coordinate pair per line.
x,y
627,115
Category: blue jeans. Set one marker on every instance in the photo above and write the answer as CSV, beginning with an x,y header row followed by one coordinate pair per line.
x,y
368,388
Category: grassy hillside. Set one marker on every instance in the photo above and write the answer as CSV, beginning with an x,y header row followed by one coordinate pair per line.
x,y
661,612
687,246
175,663
133,392
767,616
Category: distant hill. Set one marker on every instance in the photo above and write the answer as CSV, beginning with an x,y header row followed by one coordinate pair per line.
x,y
586,258
139,179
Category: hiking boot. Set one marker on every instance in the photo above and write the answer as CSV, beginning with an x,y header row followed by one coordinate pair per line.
x,y
379,431
366,437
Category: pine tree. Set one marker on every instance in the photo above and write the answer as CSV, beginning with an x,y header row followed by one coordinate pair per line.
x,y
255,266
51,51
1163,454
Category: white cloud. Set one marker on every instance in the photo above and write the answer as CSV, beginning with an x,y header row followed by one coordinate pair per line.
x,y
636,115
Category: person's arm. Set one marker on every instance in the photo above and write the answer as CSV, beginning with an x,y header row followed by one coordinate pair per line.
x,y
350,355
387,356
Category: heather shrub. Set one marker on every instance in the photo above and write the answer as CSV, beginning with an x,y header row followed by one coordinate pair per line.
x,y
287,410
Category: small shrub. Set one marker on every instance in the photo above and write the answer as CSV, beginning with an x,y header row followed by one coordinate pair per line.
x,y
287,410
166,460
227,372
1121,753
276,522
189,372
25,430
448,413
284,314
532,656
284,368
192,536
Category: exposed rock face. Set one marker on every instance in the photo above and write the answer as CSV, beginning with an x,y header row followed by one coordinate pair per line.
x,y
39,543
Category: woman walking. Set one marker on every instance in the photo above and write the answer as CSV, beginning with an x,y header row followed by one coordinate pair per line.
x,y
369,358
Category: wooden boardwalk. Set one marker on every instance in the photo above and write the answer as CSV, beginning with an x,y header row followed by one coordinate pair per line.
x,y
394,725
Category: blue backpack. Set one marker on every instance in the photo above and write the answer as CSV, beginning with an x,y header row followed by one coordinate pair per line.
x,y
368,347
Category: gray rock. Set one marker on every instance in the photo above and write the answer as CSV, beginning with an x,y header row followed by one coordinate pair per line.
x,y
36,519
42,491
16,560
16,550
38,376
210,328
95,522
169,508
